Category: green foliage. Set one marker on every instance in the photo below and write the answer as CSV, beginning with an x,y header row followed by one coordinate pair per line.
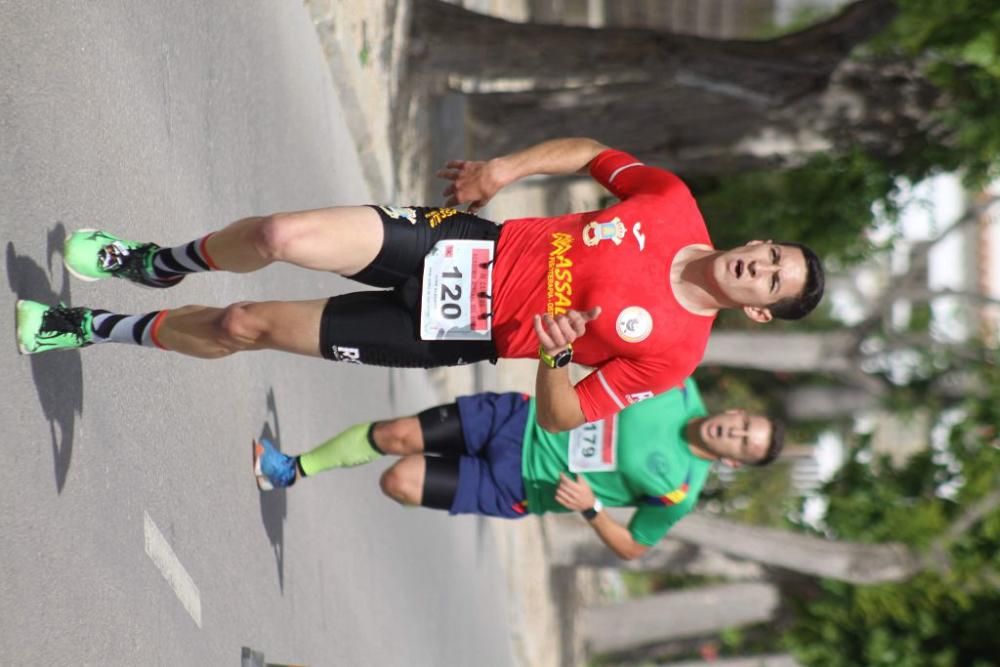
x,y
639,584
803,16
929,622
946,615
956,46
826,204
872,502
952,47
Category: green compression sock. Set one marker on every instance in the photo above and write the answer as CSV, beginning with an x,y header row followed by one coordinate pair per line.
x,y
352,447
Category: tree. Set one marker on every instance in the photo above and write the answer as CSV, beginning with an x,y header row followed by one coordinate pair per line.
x,y
860,361
571,544
774,660
575,544
712,101
921,95
944,503
926,533
662,617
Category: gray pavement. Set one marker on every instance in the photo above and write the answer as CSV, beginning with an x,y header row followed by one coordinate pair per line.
x,y
131,531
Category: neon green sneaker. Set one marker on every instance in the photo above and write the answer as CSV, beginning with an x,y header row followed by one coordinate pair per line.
x,y
41,328
90,255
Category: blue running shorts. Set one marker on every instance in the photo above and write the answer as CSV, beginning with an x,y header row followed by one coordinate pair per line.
x,y
489,477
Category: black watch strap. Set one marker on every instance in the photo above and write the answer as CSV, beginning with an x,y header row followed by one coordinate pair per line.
x,y
591,514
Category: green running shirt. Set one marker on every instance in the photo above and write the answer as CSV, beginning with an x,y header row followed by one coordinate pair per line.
x,y
654,469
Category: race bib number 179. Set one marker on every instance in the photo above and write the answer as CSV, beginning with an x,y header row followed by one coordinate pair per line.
x,y
593,447
458,276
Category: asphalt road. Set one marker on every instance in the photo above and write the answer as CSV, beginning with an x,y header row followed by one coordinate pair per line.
x,y
131,531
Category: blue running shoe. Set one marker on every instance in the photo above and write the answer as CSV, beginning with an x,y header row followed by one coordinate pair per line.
x,y
272,468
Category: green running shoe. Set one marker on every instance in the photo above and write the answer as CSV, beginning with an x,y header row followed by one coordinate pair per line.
x,y
41,328
90,255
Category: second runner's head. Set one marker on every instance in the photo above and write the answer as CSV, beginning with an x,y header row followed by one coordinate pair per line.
x,y
736,437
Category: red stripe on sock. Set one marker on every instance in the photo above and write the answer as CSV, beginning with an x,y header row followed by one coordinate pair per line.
x,y
155,330
203,251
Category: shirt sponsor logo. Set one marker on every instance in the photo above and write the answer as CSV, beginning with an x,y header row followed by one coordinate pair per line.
x,y
639,236
595,232
559,282
634,324
638,396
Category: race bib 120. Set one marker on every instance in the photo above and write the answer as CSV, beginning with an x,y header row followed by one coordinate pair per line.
x,y
458,277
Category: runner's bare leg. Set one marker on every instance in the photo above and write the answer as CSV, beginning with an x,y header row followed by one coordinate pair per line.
x,y
342,239
404,481
211,333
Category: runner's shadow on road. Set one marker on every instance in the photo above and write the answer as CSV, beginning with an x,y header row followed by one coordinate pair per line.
x,y
274,504
58,376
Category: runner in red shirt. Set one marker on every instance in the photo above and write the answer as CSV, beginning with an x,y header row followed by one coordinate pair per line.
x,y
619,259
640,278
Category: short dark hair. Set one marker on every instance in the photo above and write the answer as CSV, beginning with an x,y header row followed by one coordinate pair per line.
x,y
797,307
777,443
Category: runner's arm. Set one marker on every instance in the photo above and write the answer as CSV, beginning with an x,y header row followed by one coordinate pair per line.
x,y
576,495
557,407
617,537
475,183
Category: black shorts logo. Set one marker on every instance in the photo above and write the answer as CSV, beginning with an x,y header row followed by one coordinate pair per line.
x,y
351,355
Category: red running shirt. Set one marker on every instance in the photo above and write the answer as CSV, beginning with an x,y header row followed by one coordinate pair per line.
x,y
618,258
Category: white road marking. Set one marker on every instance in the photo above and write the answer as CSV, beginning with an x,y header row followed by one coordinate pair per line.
x,y
159,551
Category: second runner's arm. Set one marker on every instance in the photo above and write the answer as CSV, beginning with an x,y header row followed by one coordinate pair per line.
x,y
577,495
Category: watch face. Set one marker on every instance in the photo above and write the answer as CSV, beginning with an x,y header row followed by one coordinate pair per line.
x,y
563,358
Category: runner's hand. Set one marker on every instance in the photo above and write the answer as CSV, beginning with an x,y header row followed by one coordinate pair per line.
x,y
555,333
575,494
472,182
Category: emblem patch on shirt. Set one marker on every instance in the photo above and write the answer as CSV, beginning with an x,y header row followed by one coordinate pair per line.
x,y
634,324
656,463
595,232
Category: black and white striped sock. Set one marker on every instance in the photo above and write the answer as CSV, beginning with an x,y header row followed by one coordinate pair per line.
x,y
183,259
132,329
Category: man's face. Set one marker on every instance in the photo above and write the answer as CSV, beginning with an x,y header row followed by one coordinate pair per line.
x,y
736,435
760,273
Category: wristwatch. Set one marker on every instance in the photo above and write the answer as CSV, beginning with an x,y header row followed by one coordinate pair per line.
x,y
558,360
592,513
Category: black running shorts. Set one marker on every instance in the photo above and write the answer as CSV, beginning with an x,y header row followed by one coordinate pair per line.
x,y
382,327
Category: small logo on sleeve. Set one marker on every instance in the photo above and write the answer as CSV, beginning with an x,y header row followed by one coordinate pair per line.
x,y
638,396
